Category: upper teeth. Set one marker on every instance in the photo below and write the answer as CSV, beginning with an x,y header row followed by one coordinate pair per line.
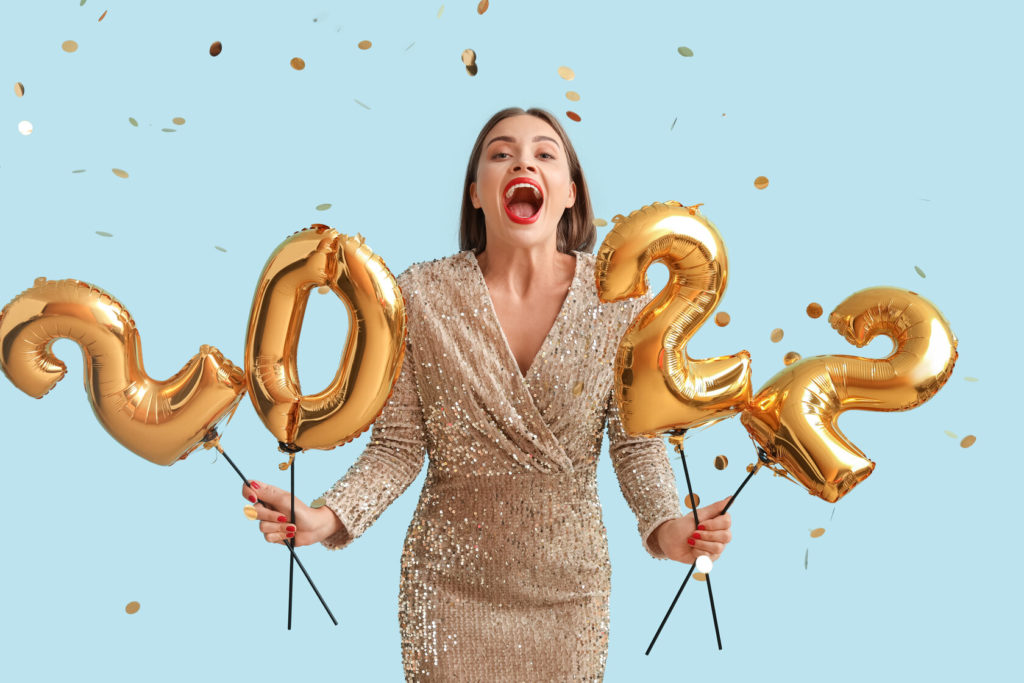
x,y
536,192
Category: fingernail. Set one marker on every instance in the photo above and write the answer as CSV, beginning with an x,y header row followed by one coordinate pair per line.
x,y
289,535
701,527
252,499
691,541
289,528
695,535
254,484
282,518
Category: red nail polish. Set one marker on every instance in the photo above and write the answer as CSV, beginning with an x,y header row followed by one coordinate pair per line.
x,y
254,485
696,535
691,541
282,518
289,535
252,499
289,528
701,527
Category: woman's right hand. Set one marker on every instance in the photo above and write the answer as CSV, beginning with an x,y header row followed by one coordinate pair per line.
x,y
311,525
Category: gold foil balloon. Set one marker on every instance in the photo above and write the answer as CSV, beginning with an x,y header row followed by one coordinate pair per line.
x,y
161,421
311,258
659,388
793,417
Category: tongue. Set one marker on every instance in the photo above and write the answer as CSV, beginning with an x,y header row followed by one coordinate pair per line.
x,y
521,209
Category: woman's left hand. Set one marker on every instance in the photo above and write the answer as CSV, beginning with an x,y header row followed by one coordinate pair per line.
x,y
681,542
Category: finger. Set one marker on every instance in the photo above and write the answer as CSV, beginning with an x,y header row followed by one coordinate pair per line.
x,y
276,498
279,536
265,513
249,490
711,548
277,527
714,522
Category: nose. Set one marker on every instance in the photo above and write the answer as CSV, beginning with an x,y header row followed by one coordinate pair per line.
x,y
519,166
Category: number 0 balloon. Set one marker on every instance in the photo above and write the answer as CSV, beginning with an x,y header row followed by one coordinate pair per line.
x,y
315,257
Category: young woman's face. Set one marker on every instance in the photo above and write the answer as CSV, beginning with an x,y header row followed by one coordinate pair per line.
x,y
522,181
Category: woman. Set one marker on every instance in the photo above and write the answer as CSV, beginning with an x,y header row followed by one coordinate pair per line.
x,y
507,383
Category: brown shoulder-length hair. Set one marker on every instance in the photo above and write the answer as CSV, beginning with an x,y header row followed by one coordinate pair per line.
x,y
575,227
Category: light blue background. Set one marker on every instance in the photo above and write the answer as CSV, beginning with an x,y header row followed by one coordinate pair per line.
x,y
891,135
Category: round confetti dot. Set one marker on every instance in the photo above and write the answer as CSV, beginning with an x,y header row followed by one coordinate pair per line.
x,y
968,441
691,501
704,564
482,6
699,576
750,467
814,310
721,462
776,335
577,389
250,512
600,222
178,121
215,49
25,127
573,115
364,45
791,358
133,122
69,46
572,96
685,51
132,607
760,182
298,63
119,173
317,503
919,271
323,289
468,57
103,233
722,319
566,73
322,207
19,89
815,533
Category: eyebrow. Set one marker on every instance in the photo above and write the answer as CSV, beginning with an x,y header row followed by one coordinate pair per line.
x,y
506,138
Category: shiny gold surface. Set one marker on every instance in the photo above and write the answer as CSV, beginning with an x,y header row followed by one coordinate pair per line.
x,y
250,512
310,258
132,607
657,385
791,358
815,533
721,462
566,73
814,309
968,441
160,421
793,417
760,182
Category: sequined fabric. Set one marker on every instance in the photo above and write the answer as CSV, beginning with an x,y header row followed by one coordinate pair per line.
x,y
505,571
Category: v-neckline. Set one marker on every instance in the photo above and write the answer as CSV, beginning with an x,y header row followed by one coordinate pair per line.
x,y
509,356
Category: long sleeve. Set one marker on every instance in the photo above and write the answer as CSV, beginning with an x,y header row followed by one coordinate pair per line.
x,y
643,470
389,464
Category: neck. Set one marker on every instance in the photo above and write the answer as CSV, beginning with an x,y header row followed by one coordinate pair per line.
x,y
522,270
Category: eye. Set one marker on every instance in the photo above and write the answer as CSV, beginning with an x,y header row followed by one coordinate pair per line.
x,y
548,154
495,156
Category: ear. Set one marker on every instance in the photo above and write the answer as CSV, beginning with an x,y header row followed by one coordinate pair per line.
x,y
572,195
472,196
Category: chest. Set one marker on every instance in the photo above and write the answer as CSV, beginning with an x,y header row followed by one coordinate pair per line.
x,y
527,322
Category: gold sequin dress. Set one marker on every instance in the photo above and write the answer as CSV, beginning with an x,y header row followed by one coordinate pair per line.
x,y
505,571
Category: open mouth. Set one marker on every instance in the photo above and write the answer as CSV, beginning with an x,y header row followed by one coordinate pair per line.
x,y
523,200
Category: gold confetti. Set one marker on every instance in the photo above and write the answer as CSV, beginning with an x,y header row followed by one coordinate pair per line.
x,y
691,503
25,127
566,73
364,106
168,130
817,532
102,233
364,45
323,289
572,96
573,115
814,310
600,222
685,51
440,11
219,248
178,121
298,63
776,335
119,173
577,389
69,46
722,319
133,122
919,271
250,512
673,123
322,207
19,89
468,57
215,49
133,606
482,7
102,15
82,3
970,379
81,170
968,441
950,434
721,462
791,358
750,467
317,502
699,576
760,182
472,69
